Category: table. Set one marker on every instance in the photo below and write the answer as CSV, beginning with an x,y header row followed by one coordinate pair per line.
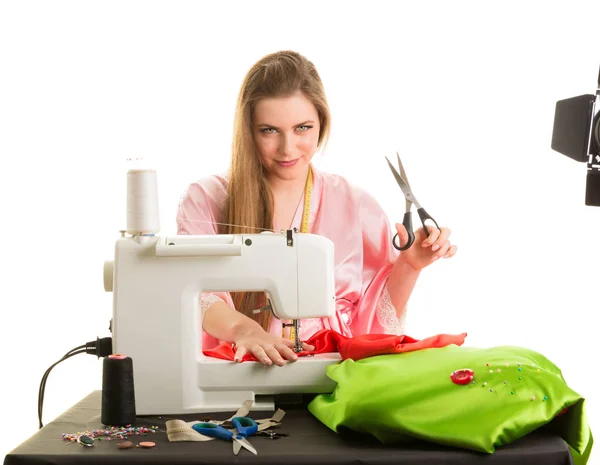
x,y
309,442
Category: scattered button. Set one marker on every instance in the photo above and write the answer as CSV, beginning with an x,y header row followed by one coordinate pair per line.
x,y
85,440
463,376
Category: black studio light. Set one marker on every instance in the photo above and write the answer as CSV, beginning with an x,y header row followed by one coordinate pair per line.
x,y
576,134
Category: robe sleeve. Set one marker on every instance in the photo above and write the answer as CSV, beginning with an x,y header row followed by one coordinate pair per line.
x,y
375,313
200,208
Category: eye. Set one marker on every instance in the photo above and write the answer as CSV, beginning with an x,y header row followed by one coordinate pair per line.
x,y
304,128
268,130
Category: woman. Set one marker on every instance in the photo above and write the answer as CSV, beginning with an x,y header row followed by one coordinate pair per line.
x,y
281,120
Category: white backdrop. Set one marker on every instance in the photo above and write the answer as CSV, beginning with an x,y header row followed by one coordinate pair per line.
x,y
464,91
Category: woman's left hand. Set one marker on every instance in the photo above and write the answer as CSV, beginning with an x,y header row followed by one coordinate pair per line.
x,y
425,250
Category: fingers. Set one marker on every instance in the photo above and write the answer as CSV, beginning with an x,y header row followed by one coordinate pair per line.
x,y
268,354
441,250
307,347
239,354
441,244
274,354
446,251
434,236
272,351
439,240
402,234
261,355
287,352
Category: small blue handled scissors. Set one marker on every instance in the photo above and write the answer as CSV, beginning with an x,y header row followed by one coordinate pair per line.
x,y
402,181
244,426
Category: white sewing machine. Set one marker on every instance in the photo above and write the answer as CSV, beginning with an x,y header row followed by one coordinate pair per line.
x,y
156,283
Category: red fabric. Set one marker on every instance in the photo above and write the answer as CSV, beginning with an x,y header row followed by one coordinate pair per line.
x,y
355,348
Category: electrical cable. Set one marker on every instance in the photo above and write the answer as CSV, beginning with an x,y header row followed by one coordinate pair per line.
x,y
99,347
82,346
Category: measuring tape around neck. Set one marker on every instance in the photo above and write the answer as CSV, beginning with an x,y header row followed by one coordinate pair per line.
x,y
307,195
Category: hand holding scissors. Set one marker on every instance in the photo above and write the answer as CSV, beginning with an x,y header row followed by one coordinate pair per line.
x,y
244,426
402,181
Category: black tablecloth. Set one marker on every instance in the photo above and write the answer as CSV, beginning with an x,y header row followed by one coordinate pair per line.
x,y
309,442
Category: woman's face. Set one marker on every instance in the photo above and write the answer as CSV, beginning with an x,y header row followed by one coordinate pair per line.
x,y
286,133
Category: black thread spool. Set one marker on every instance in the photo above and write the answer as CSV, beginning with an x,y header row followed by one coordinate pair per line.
x,y
118,395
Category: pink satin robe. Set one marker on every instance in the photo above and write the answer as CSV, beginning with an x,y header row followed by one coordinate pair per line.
x,y
364,255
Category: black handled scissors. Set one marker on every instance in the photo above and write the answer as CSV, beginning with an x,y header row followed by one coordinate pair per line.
x,y
402,181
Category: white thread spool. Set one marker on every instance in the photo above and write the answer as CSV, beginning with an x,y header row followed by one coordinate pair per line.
x,y
142,202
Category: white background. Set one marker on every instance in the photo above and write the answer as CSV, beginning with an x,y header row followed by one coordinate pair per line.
x,y
465,91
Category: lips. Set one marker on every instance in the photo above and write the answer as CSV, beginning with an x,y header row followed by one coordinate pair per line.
x,y
287,164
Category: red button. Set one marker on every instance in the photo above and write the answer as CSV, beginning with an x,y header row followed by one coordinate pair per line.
x,y
463,376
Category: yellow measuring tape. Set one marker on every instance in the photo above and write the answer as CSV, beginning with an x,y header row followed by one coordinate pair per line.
x,y
306,209
303,228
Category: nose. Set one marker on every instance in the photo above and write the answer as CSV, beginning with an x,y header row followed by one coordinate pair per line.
x,y
286,147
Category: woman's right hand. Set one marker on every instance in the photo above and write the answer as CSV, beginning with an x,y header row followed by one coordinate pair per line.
x,y
266,347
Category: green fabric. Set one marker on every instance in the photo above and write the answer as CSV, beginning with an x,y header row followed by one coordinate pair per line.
x,y
408,396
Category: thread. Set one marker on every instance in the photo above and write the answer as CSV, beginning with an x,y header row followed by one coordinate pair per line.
x,y
118,395
142,202
182,218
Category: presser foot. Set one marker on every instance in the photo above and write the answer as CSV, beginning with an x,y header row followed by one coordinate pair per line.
x,y
297,341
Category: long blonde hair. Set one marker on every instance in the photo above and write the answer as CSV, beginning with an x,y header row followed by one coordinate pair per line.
x,y
250,203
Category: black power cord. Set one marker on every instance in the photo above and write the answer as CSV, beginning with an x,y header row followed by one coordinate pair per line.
x,y
99,347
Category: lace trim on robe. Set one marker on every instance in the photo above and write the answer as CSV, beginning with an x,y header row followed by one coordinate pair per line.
x,y
386,315
206,302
